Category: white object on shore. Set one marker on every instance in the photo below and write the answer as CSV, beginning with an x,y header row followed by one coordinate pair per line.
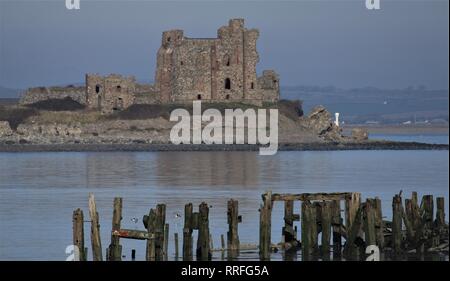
x,y
336,121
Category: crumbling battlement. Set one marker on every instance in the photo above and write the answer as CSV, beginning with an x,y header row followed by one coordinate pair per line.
x,y
33,95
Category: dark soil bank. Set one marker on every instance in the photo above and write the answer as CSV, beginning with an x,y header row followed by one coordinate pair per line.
x,y
375,145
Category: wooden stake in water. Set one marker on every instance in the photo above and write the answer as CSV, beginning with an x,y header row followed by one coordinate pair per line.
x,y
232,234
265,227
203,250
115,249
397,234
175,237
78,233
95,230
336,221
187,233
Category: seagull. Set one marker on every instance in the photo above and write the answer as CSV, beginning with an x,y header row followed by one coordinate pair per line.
x,y
177,215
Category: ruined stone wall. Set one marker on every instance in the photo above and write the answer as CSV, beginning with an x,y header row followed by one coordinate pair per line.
x,y
109,93
33,95
269,85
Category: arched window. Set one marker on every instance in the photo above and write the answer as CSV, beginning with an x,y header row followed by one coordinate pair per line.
x,y
97,89
199,97
119,88
252,85
227,83
227,97
226,60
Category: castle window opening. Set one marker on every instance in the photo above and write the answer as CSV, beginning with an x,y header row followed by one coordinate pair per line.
x,y
168,39
252,85
227,60
199,97
119,88
227,97
97,89
181,62
227,84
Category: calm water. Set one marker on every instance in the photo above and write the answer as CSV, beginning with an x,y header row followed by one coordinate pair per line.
x,y
39,191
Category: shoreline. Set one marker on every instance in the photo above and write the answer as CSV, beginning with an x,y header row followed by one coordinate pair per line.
x,y
371,145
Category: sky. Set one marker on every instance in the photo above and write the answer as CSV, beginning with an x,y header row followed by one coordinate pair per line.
x,y
322,42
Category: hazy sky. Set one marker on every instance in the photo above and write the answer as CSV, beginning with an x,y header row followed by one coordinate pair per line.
x,y
322,43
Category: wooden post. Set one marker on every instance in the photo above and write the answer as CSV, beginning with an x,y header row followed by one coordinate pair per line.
x,y
95,230
427,211
350,249
326,229
175,237
160,222
166,241
265,226
336,221
439,223
379,225
440,213
232,234
288,231
187,233
78,233
352,203
115,249
151,241
203,251
307,221
133,254
222,241
369,222
397,234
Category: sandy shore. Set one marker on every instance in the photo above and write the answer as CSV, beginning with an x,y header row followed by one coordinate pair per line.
x,y
370,145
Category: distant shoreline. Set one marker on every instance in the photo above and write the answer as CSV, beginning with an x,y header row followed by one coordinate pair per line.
x,y
397,129
371,145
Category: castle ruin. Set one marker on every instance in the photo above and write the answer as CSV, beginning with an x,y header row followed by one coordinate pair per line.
x,y
218,69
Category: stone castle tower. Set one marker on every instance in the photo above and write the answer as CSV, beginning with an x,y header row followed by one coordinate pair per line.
x,y
222,68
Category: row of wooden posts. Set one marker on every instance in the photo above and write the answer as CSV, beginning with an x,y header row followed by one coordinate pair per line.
x,y
413,228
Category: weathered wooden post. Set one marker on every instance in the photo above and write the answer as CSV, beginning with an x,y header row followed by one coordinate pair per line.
x,y
133,254
265,226
427,209
232,235
350,249
369,222
175,237
352,203
151,241
439,223
166,241
379,225
326,229
307,221
397,234
288,231
203,251
187,233
115,249
78,233
336,221
95,230
160,223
